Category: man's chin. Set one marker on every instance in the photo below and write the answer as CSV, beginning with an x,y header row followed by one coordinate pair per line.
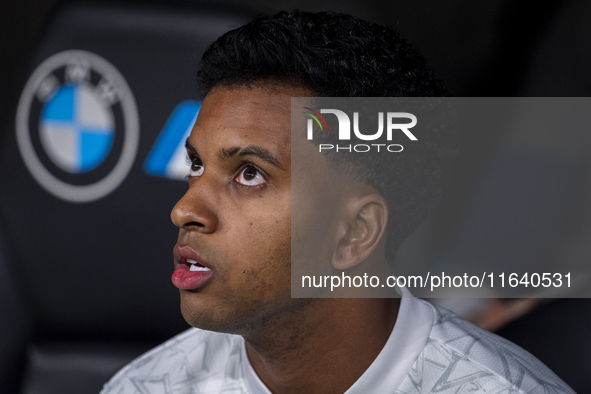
x,y
196,312
199,312
232,315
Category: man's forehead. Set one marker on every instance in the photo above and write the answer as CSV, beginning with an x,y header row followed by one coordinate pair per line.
x,y
273,101
242,115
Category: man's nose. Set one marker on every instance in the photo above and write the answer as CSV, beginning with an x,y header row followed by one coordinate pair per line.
x,y
194,210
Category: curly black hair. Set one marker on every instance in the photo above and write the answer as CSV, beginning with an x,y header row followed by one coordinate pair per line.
x,y
338,55
333,54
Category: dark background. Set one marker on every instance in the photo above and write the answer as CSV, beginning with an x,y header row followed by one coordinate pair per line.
x,y
479,48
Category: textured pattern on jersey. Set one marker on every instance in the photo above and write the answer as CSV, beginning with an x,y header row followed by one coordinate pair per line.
x,y
458,358
461,358
194,362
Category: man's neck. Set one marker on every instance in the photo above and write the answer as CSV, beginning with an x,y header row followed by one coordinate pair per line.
x,y
326,348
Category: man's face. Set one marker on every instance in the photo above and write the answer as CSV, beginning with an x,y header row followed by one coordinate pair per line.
x,y
235,218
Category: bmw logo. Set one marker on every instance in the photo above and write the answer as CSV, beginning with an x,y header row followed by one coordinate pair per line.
x,y
77,126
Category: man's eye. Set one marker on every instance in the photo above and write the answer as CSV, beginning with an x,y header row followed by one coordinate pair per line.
x,y
196,168
250,176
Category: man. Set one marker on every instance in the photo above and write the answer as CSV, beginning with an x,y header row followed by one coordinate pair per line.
x,y
234,252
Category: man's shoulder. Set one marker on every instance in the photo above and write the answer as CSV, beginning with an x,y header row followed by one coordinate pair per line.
x,y
460,357
193,359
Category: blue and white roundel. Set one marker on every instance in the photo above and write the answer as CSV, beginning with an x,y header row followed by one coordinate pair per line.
x,y
76,128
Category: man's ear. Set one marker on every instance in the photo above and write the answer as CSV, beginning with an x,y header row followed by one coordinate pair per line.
x,y
360,230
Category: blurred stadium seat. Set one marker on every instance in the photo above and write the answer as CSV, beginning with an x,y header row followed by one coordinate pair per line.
x,y
87,187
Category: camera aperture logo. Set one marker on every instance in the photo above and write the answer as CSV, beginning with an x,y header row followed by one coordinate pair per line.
x,y
77,126
344,132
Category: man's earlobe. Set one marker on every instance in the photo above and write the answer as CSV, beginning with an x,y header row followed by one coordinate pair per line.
x,y
360,231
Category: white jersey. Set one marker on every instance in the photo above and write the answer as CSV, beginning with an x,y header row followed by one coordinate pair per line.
x,y
430,350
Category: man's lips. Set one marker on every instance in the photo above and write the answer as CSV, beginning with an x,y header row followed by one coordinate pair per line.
x,y
191,272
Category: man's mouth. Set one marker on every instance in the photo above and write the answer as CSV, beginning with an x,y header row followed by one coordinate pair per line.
x,y
195,266
190,273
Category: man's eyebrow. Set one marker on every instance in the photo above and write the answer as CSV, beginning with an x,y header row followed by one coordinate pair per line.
x,y
250,150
